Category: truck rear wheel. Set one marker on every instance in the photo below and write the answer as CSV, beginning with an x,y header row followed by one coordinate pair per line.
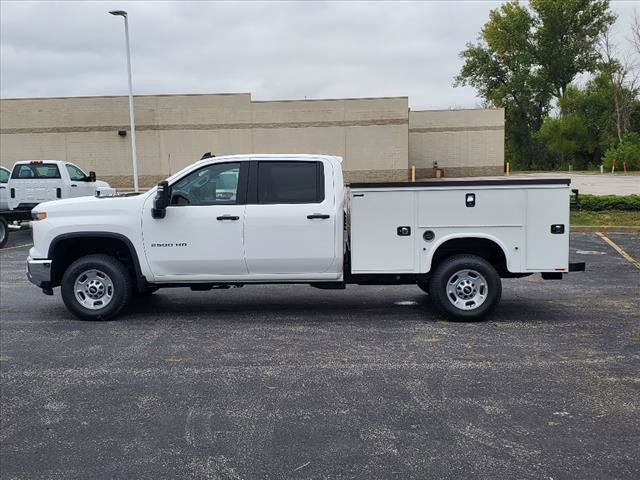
x,y
4,232
96,287
465,287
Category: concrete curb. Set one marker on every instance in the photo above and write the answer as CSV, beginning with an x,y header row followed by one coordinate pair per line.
x,y
605,228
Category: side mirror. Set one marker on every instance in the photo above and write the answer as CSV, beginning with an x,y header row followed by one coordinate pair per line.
x,y
161,202
92,176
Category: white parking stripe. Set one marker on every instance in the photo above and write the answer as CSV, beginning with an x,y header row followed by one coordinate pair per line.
x,y
17,246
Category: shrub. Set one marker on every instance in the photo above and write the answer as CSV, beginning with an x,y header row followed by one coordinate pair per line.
x,y
628,150
596,203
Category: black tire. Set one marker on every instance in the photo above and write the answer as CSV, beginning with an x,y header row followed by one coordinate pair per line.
x,y
4,232
465,267
113,271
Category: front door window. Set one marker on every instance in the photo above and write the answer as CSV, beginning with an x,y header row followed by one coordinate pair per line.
x,y
75,174
215,184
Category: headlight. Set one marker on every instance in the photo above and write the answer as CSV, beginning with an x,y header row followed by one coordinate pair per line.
x,y
38,215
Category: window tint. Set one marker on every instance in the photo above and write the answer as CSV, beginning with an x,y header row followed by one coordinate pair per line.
x,y
290,182
36,170
75,173
215,184
4,175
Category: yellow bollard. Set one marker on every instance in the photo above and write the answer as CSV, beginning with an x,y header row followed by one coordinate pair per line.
x,y
508,168
413,173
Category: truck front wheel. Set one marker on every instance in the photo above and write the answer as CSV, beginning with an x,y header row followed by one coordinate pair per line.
x,y
96,287
465,287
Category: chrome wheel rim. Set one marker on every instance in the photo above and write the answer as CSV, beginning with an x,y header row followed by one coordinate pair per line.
x,y
3,231
467,289
93,289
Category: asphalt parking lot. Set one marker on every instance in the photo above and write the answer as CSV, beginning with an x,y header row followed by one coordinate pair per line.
x,y
294,382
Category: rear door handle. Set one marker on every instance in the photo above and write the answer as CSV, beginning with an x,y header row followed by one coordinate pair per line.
x,y
318,215
228,217
74,185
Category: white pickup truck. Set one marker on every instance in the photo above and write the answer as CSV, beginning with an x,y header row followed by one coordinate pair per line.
x,y
35,181
236,220
4,194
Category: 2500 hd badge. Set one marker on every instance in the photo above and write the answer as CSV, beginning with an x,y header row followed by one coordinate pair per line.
x,y
183,244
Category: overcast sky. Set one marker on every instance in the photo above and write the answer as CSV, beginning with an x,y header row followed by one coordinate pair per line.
x,y
273,50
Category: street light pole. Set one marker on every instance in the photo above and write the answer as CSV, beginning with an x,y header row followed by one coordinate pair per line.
x,y
132,120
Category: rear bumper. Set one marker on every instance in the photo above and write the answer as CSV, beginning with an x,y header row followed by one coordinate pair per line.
x,y
577,267
573,267
16,215
39,272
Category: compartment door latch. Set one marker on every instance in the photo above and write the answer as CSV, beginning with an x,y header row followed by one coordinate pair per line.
x,y
470,199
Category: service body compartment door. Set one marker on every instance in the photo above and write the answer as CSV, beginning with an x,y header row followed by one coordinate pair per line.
x,y
547,208
377,244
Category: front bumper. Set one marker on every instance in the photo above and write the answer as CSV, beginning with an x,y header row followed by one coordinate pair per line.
x,y
39,272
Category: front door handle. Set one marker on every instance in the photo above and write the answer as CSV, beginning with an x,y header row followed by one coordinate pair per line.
x,y
228,217
74,185
318,215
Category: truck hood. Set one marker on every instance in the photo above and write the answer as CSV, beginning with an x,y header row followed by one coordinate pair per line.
x,y
90,205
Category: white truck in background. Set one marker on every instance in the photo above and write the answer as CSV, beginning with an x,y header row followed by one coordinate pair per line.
x,y
236,220
4,194
35,181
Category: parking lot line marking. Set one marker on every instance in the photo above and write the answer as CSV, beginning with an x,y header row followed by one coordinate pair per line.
x,y
17,246
622,253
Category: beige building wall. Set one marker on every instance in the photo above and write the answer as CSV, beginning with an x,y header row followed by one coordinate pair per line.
x,y
462,142
370,134
175,130
378,138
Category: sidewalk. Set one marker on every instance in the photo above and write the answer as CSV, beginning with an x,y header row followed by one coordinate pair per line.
x,y
596,183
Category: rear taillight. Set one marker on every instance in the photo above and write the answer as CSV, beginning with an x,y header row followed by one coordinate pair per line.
x,y
59,192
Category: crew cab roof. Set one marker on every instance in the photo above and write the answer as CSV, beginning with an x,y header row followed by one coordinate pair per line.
x,y
271,156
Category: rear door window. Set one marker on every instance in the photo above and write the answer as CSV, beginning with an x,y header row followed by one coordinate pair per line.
x,y
290,182
35,170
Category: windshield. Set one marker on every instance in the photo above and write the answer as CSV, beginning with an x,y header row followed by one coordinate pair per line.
x,y
35,170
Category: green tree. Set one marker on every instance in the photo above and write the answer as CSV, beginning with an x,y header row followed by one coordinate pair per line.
x,y
623,83
568,138
626,152
602,117
500,68
566,34
525,57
